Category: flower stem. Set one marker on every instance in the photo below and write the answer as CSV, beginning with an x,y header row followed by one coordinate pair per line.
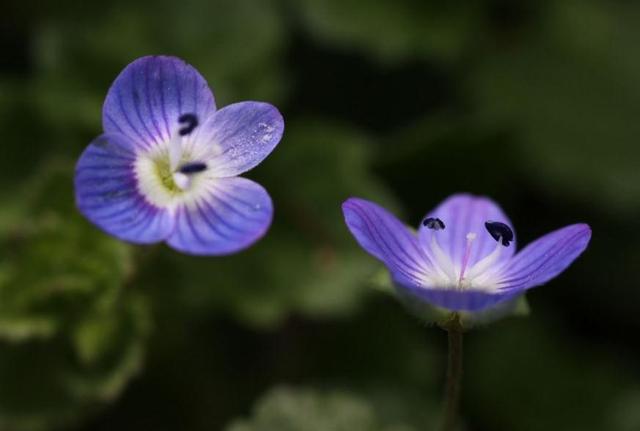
x,y
454,374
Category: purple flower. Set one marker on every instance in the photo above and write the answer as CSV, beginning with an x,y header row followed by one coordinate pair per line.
x,y
166,167
463,256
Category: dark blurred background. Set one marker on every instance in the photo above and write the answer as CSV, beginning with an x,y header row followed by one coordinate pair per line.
x,y
534,103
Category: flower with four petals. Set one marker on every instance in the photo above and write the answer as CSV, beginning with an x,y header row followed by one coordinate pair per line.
x,y
463,255
166,167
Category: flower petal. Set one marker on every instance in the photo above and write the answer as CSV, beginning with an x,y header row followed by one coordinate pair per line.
x,y
107,194
545,258
386,238
456,300
230,215
238,137
150,94
463,214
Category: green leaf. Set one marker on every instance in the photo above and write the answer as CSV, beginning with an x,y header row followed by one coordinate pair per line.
x,y
289,409
571,92
624,414
393,30
527,367
70,336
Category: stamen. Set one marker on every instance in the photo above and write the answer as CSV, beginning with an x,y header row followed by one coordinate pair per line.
x,y
486,262
191,122
500,232
465,259
175,152
442,261
433,223
193,168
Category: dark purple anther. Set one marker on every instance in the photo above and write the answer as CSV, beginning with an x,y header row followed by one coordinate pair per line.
x,y
193,168
190,122
500,232
433,223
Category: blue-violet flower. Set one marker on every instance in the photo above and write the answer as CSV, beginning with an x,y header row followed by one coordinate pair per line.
x,y
463,256
166,167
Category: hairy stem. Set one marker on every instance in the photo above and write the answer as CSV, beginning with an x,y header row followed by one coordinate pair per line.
x,y
454,374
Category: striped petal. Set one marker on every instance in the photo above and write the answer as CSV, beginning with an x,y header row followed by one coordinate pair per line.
x,y
228,216
545,258
238,137
458,300
107,194
386,238
150,94
463,214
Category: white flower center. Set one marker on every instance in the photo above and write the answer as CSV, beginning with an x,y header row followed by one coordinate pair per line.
x,y
446,274
171,173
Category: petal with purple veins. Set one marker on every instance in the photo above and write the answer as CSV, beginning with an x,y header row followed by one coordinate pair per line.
x,y
463,214
455,299
107,193
238,137
545,258
386,238
230,215
148,97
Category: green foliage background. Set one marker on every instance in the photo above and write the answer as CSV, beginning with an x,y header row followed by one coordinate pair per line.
x,y
534,103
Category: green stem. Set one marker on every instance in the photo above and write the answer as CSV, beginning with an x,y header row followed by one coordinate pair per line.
x,y
454,375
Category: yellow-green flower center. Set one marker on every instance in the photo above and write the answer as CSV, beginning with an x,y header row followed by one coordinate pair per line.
x,y
164,173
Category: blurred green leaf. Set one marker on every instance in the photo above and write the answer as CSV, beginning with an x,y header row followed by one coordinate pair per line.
x,y
393,30
26,139
55,263
625,415
517,370
288,409
572,91
70,336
